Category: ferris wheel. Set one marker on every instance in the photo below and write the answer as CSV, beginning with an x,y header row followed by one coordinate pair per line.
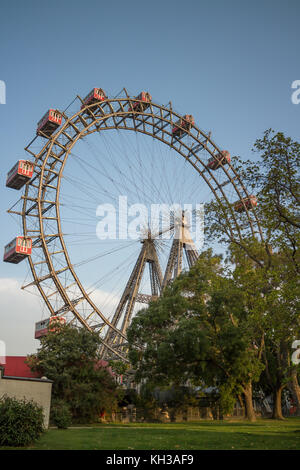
x,y
87,166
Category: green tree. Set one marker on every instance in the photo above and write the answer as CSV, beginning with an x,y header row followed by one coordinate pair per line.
x,y
273,309
274,178
277,182
244,322
198,332
69,357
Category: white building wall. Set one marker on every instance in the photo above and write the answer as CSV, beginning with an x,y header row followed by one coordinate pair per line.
x,y
38,390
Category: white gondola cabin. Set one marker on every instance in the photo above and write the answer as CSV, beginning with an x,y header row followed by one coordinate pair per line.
x,y
184,124
43,327
49,123
145,99
222,158
17,250
94,96
20,173
245,203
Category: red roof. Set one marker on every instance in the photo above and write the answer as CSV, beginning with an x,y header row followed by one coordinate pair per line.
x,y
15,367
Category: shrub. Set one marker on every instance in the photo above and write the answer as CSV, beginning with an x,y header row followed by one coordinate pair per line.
x,y
60,415
21,422
70,357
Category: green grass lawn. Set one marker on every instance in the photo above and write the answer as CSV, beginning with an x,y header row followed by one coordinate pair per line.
x,y
209,435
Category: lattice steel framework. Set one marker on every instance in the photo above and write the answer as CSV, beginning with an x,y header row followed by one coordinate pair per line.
x,y
131,295
51,267
182,242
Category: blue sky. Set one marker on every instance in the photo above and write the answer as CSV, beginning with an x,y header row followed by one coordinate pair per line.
x,y
229,63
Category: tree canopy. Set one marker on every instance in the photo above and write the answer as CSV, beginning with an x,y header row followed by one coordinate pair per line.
x,y
232,322
69,356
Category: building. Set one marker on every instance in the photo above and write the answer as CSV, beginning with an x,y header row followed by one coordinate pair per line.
x,y
17,380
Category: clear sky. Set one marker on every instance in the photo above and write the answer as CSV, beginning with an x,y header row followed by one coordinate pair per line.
x,y
230,63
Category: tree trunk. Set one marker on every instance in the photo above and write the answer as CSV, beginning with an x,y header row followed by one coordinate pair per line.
x,y
220,413
277,409
295,390
250,413
242,405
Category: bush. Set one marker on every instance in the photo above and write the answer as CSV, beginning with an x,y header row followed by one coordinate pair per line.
x,y
21,422
70,357
60,415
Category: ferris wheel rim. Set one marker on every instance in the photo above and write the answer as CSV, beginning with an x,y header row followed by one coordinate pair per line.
x,y
93,126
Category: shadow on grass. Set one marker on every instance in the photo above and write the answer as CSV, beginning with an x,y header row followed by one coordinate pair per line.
x,y
208,435
226,436
206,424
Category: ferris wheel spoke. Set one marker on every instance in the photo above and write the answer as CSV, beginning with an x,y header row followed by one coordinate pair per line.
x,y
134,168
126,146
159,191
118,185
103,254
131,167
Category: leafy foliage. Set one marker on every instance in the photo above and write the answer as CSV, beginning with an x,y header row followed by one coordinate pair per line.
x,y
61,415
21,422
197,332
119,367
273,288
70,358
225,326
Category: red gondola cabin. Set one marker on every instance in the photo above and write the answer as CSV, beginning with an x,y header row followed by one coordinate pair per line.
x,y
94,96
146,98
20,173
17,250
49,324
222,158
247,202
181,126
49,123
